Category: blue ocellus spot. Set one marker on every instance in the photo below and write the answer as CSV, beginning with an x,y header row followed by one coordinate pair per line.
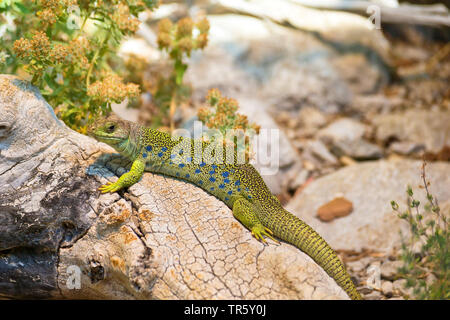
x,y
144,155
226,180
249,196
181,165
212,172
148,148
163,149
239,189
212,179
225,174
197,171
187,175
221,186
202,164
200,182
226,198
160,154
212,188
238,182
230,192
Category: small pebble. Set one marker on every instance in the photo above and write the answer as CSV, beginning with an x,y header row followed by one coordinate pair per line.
x,y
375,295
338,207
365,290
387,288
389,269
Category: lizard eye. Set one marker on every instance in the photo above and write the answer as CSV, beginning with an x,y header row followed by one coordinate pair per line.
x,y
111,128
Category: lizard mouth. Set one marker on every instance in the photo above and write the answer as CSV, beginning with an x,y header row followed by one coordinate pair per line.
x,y
107,139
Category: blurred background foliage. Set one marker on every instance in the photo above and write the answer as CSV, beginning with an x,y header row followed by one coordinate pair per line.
x,y
67,48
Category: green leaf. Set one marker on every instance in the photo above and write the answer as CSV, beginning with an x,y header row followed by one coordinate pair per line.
x,y
20,7
409,191
46,92
71,111
394,205
180,69
50,81
415,203
5,3
431,223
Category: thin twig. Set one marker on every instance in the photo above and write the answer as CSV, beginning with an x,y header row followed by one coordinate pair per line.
x,y
91,67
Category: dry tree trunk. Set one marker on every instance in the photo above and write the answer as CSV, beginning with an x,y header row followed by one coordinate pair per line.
x,y
162,238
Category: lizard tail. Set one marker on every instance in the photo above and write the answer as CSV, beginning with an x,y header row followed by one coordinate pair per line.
x,y
293,230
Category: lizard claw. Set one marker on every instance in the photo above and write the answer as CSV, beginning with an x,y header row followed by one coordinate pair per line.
x,y
259,232
110,187
269,233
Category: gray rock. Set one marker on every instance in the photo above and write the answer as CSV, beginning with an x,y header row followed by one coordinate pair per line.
x,y
356,266
421,127
343,129
320,150
399,285
355,36
399,288
346,137
311,117
375,104
431,278
406,147
304,80
370,187
299,179
361,76
387,288
359,149
287,68
365,290
396,298
374,295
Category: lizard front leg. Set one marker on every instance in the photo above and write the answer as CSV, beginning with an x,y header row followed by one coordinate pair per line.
x,y
243,210
127,179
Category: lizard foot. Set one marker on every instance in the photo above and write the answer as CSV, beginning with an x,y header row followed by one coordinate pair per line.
x,y
110,187
259,231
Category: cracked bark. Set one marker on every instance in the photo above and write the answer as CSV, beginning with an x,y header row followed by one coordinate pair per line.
x,y
160,239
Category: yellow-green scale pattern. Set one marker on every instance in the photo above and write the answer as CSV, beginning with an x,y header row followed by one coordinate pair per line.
x,y
239,186
220,179
230,182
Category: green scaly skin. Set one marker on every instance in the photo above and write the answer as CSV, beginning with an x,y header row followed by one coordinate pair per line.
x,y
239,186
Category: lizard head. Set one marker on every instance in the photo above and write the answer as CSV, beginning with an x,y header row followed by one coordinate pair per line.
x,y
111,130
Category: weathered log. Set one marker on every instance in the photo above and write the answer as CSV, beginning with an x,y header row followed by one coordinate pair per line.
x,y
431,15
342,30
309,13
161,239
